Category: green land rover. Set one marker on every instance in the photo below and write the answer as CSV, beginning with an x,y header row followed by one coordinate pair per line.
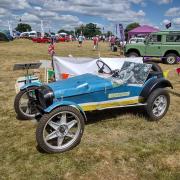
x,y
163,44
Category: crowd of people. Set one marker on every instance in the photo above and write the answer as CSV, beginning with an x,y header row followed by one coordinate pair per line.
x,y
113,41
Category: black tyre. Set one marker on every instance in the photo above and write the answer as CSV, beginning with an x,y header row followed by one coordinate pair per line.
x,y
133,54
60,130
24,104
170,59
155,67
157,104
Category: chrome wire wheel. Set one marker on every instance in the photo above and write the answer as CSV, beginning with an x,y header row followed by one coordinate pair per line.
x,y
60,130
26,103
159,105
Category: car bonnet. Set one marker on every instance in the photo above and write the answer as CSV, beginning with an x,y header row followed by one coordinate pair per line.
x,y
86,83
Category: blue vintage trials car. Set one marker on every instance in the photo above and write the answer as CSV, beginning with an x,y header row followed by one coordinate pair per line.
x,y
62,105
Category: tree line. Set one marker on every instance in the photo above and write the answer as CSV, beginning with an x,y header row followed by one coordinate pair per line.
x,y
88,30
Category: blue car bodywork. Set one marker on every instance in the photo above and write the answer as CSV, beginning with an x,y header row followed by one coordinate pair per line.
x,y
32,84
90,92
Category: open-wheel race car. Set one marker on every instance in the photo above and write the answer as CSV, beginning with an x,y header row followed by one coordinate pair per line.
x,y
62,105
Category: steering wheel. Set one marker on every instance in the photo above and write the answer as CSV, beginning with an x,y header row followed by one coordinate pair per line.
x,y
103,67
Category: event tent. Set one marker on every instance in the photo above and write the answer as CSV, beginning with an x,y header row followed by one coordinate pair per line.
x,y
5,35
142,31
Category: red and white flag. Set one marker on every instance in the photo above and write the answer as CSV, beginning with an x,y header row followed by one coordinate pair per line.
x,y
51,49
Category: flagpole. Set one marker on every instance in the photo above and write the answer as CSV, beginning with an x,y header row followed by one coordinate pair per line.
x,y
10,28
42,29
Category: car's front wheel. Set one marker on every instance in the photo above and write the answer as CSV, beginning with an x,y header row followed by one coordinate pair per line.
x,y
24,104
60,130
170,59
157,104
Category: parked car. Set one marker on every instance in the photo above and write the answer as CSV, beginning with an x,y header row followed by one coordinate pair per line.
x,y
24,35
164,44
62,105
64,38
33,34
42,40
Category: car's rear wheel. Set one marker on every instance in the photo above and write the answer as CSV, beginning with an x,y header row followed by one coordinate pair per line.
x,y
60,130
133,54
157,104
170,59
24,104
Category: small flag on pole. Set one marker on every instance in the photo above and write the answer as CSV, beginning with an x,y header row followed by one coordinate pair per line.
x,y
168,25
165,73
121,31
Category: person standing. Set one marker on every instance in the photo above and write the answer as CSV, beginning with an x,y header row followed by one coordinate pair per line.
x,y
70,37
103,38
112,42
80,40
96,41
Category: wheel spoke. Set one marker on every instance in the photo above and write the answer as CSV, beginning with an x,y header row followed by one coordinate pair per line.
x,y
27,110
70,134
63,118
60,141
71,124
54,125
156,103
155,110
163,100
51,136
23,105
23,101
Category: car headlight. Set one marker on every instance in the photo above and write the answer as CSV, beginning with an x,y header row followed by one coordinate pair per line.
x,y
45,96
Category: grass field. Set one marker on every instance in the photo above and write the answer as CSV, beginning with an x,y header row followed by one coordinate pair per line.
x,y
117,144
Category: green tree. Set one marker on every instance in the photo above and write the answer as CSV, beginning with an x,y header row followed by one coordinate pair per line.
x,y
80,29
109,33
23,27
129,27
88,30
65,31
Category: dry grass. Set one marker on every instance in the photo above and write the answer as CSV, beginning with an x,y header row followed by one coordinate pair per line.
x,y
117,144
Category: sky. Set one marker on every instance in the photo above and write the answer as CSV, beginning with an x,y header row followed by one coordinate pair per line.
x,y
68,14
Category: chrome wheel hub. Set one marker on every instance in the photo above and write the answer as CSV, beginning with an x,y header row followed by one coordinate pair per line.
x,y
171,59
159,105
63,129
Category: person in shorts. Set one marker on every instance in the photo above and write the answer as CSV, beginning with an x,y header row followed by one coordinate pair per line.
x,y
80,40
96,41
